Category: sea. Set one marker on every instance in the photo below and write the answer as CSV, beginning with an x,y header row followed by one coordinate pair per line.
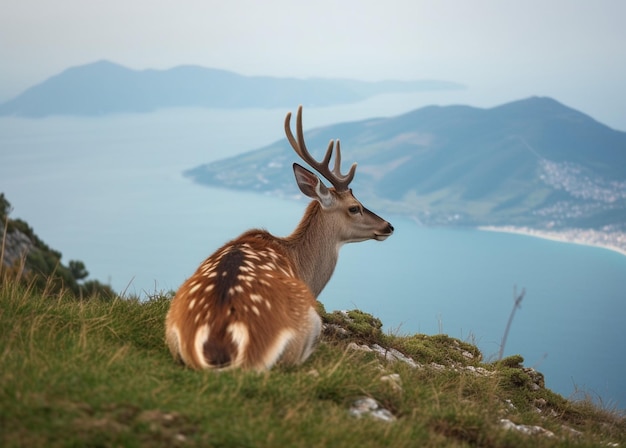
x,y
109,191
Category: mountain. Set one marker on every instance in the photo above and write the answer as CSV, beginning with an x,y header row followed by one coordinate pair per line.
x,y
533,162
107,88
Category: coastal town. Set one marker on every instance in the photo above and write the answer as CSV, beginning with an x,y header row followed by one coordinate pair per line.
x,y
589,195
580,183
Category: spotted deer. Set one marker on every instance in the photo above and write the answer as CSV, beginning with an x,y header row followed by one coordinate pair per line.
x,y
253,302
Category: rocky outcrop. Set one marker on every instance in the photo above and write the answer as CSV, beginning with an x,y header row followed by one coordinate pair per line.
x,y
26,258
15,248
351,327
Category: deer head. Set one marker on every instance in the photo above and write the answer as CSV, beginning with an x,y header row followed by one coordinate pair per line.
x,y
354,221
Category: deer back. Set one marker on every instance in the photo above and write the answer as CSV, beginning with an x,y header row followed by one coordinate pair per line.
x,y
243,307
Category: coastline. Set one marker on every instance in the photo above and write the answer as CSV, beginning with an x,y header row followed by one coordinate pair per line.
x,y
614,241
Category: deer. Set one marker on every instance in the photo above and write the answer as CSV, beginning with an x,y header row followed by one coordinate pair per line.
x,y
253,303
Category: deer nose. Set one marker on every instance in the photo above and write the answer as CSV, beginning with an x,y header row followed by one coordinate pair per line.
x,y
389,227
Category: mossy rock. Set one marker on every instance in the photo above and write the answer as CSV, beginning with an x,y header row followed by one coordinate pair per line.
x,y
440,349
354,324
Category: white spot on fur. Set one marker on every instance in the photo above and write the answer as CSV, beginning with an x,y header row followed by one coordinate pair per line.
x,y
245,278
256,297
278,347
191,304
202,335
240,336
209,287
235,289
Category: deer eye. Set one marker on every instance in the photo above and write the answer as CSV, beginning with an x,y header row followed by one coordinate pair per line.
x,y
354,209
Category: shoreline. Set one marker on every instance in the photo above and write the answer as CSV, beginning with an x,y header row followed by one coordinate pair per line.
x,y
613,241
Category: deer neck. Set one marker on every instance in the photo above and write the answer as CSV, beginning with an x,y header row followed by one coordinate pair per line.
x,y
314,248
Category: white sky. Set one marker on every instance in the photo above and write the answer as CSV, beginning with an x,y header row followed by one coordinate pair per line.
x,y
571,50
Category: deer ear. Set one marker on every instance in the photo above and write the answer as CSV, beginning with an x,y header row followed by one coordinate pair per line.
x,y
312,186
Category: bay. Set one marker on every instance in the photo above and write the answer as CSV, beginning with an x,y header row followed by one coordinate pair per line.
x,y
109,191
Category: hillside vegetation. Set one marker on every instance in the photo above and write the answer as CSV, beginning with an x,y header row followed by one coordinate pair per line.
x,y
96,372
25,257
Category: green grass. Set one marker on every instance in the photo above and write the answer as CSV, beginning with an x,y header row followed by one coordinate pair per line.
x,y
97,373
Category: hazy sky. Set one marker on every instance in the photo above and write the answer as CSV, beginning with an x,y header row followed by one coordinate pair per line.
x,y
572,50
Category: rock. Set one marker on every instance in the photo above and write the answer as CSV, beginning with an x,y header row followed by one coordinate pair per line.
x,y
359,347
336,330
17,246
393,355
536,377
436,366
394,381
389,354
367,406
479,371
510,405
525,429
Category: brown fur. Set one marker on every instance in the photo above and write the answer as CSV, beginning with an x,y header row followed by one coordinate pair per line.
x,y
238,284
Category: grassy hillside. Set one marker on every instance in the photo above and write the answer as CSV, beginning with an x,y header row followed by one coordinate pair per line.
x,y
96,373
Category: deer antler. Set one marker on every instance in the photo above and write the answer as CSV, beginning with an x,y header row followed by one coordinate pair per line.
x,y
338,180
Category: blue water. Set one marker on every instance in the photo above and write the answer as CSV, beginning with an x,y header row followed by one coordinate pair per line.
x,y
109,192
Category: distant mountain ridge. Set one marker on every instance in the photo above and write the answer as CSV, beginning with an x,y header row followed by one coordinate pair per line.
x,y
104,88
533,162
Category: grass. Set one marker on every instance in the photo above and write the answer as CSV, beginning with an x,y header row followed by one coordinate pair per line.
x,y
96,372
